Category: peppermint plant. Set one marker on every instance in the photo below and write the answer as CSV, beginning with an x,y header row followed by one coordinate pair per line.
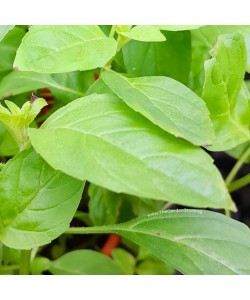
x,y
108,132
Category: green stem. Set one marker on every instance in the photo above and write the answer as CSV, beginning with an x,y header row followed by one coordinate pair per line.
x,y
121,41
167,205
89,230
237,184
25,262
112,31
234,172
237,167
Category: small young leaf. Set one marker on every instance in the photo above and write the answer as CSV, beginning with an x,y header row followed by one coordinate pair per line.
x,y
58,49
165,102
17,120
104,141
84,262
39,265
177,27
4,29
225,94
124,260
144,33
191,241
37,203
104,205
153,266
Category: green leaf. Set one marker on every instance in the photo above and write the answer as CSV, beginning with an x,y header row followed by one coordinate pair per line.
x,y
4,29
167,103
124,260
37,203
105,142
143,206
153,266
58,49
20,82
170,58
8,47
17,120
178,27
84,262
69,86
39,265
191,241
99,87
144,33
203,39
225,93
104,205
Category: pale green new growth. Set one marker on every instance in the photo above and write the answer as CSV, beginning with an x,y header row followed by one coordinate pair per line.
x,y
17,120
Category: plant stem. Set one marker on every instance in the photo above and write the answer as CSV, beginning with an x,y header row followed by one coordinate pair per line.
x,y
237,167
237,184
112,31
167,205
25,262
89,230
234,172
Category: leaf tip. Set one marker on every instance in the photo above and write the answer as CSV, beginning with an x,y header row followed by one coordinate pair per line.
x,y
33,97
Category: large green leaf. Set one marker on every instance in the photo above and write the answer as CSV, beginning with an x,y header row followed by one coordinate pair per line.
x,y
170,58
58,49
20,82
225,93
191,241
104,205
167,103
84,262
4,29
37,203
99,138
8,47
